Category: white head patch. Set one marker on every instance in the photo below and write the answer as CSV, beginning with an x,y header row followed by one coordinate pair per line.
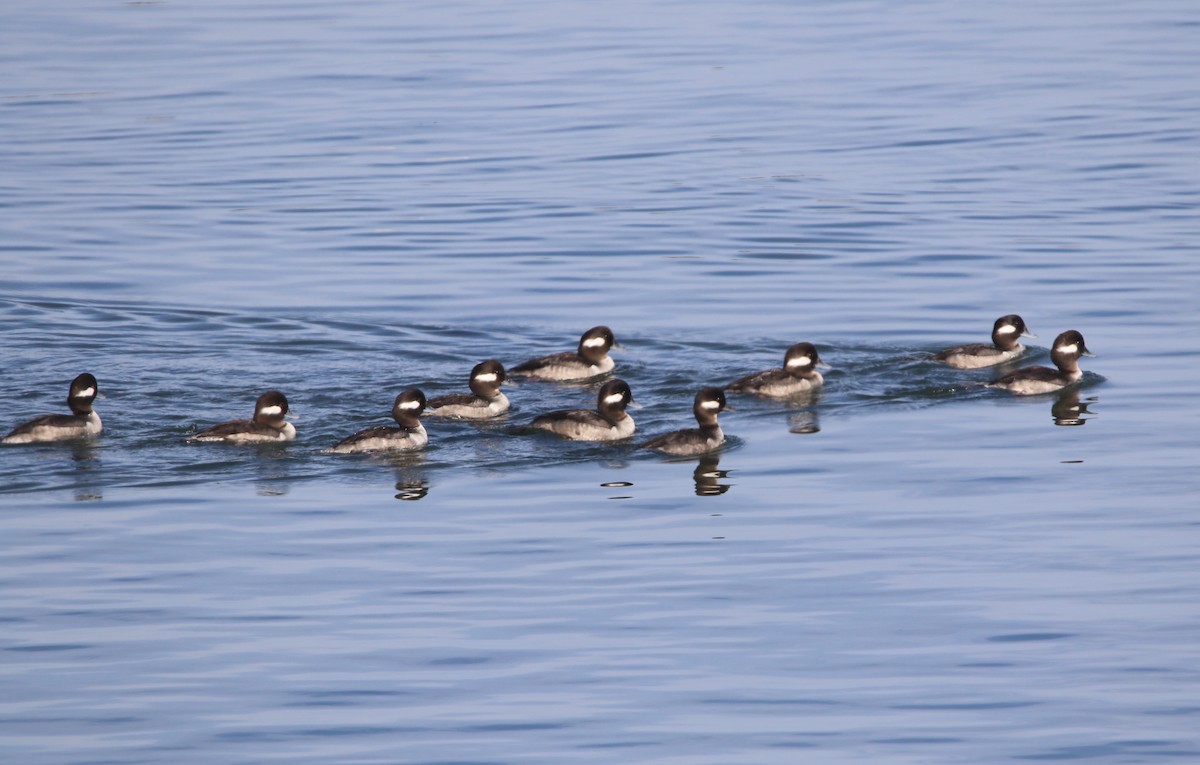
x,y
1072,348
614,398
486,377
800,361
410,404
1007,329
85,393
271,411
710,404
594,342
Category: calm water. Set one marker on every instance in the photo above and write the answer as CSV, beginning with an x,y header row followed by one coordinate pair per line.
x,y
202,201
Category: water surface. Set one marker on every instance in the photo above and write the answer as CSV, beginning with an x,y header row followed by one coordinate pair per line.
x,y
202,202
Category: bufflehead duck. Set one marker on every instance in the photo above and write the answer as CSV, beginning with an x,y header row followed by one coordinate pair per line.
x,y
608,422
1006,346
267,426
590,360
1068,347
706,438
410,435
799,374
83,420
485,399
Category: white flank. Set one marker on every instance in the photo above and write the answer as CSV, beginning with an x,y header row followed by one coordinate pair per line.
x,y
1007,329
594,342
271,411
85,393
614,398
1072,348
488,377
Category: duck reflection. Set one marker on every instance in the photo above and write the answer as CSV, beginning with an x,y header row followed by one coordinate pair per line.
x,y
708,477
271,468
806,398
412,490
618,485
412,483
87,468
804,422
1068,408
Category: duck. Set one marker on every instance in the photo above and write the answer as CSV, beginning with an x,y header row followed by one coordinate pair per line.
x,y
82,422
1065,353
589,360
1006,346
266,426
798,375
406,411
483,402
706,438
608,422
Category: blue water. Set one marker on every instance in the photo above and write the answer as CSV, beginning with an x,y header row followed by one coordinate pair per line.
x,y
202,201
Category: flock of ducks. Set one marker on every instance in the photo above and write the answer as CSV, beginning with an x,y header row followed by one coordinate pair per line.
x,y
607,422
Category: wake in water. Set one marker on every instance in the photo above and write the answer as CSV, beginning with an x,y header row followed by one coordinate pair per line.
x,y
167,373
